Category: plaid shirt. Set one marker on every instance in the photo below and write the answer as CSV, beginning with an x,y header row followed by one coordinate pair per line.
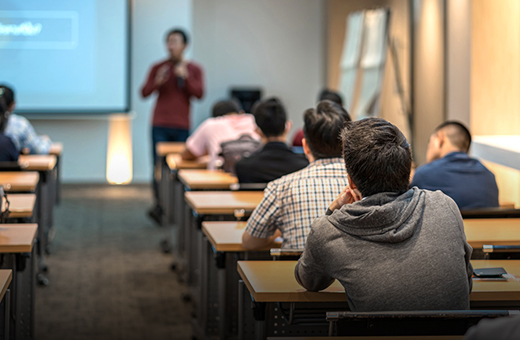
x,y
23,135
291,203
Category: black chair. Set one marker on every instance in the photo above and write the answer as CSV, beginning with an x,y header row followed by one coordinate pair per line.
x,y
407,323
12,166
490,213
248,186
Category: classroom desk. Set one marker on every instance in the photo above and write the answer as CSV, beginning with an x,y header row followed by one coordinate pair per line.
x,y
46,166
17,247
492,231
18,181
57,150
202,206
6,276
20,205
219,277
271,284
164,148
202,179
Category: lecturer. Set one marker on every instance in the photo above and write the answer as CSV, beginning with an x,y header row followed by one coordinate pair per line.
x,y
175,81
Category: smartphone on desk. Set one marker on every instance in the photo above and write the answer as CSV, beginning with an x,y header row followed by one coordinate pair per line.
x,y
489,274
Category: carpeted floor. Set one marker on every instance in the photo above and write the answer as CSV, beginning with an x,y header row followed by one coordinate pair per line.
x,y
108,277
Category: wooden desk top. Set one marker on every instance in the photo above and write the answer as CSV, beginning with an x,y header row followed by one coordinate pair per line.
x,y
227,236
493,231
20,205
165,148
16,181
56,149
197,179
17,238
175,162
222,202
38,162
6,275
273,281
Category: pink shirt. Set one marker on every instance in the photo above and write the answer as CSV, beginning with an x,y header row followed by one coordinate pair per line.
x,y
213,131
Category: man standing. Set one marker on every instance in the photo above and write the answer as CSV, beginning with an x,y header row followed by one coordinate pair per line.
x,y
175,80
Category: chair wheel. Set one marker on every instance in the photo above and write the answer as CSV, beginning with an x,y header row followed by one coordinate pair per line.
x,y
42,280
173,266
186,297
44,268
166,246
48,250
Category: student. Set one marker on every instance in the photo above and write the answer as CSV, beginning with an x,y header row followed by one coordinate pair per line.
x,y
292,202
451,170
275,159
20,130
391,247
8,152
326,94
229,124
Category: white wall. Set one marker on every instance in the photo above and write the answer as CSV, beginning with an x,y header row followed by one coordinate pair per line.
x,y
277,45
85,141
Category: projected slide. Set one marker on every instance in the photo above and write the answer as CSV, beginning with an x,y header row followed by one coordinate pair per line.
x,y
65,56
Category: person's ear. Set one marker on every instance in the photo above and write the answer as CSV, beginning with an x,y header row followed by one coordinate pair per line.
x,y
288,126
351,184
259,132
11,108
307,151
440,140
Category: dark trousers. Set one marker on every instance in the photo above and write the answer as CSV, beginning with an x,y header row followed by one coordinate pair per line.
x,y
164,134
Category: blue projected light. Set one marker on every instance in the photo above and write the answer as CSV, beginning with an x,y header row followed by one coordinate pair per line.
x,y
66,56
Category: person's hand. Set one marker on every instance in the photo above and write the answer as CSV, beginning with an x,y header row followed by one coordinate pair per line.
x,y
162,75
181,70
348,196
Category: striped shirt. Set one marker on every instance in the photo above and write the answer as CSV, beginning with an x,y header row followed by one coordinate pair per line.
x,y
291,203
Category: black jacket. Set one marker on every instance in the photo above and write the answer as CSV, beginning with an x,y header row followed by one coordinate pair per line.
x,y
273,161
8,152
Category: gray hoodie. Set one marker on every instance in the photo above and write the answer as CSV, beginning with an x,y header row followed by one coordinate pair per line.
x,y
392,252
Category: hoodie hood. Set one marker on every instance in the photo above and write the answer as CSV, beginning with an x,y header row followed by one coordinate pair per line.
x,y
384,217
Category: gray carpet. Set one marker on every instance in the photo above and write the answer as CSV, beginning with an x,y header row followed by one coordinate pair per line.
x,y
108,278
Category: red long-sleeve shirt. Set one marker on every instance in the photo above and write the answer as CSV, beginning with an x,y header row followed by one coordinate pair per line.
x,y
172,108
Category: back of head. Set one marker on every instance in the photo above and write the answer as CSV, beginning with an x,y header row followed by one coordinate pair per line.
x,y
270,117
225,107
332,96
7,95
458,134
6,100
377,156
322,127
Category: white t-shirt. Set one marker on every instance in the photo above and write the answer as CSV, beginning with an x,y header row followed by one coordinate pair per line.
x,y
214,131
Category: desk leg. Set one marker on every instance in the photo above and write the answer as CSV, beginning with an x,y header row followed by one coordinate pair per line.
x,y
6,302
58,180
248,326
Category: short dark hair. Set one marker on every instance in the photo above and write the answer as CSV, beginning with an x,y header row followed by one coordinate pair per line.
x,y
224,107
335,97
178,31
322,127
7,94
377,156
270,116
458,134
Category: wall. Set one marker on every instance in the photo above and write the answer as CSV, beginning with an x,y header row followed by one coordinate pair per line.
x,y
458,54
276,45
85,141
337,13
495,80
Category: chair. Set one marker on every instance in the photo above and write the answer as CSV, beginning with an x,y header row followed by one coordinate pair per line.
x,y
12,166
490,213
441,322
